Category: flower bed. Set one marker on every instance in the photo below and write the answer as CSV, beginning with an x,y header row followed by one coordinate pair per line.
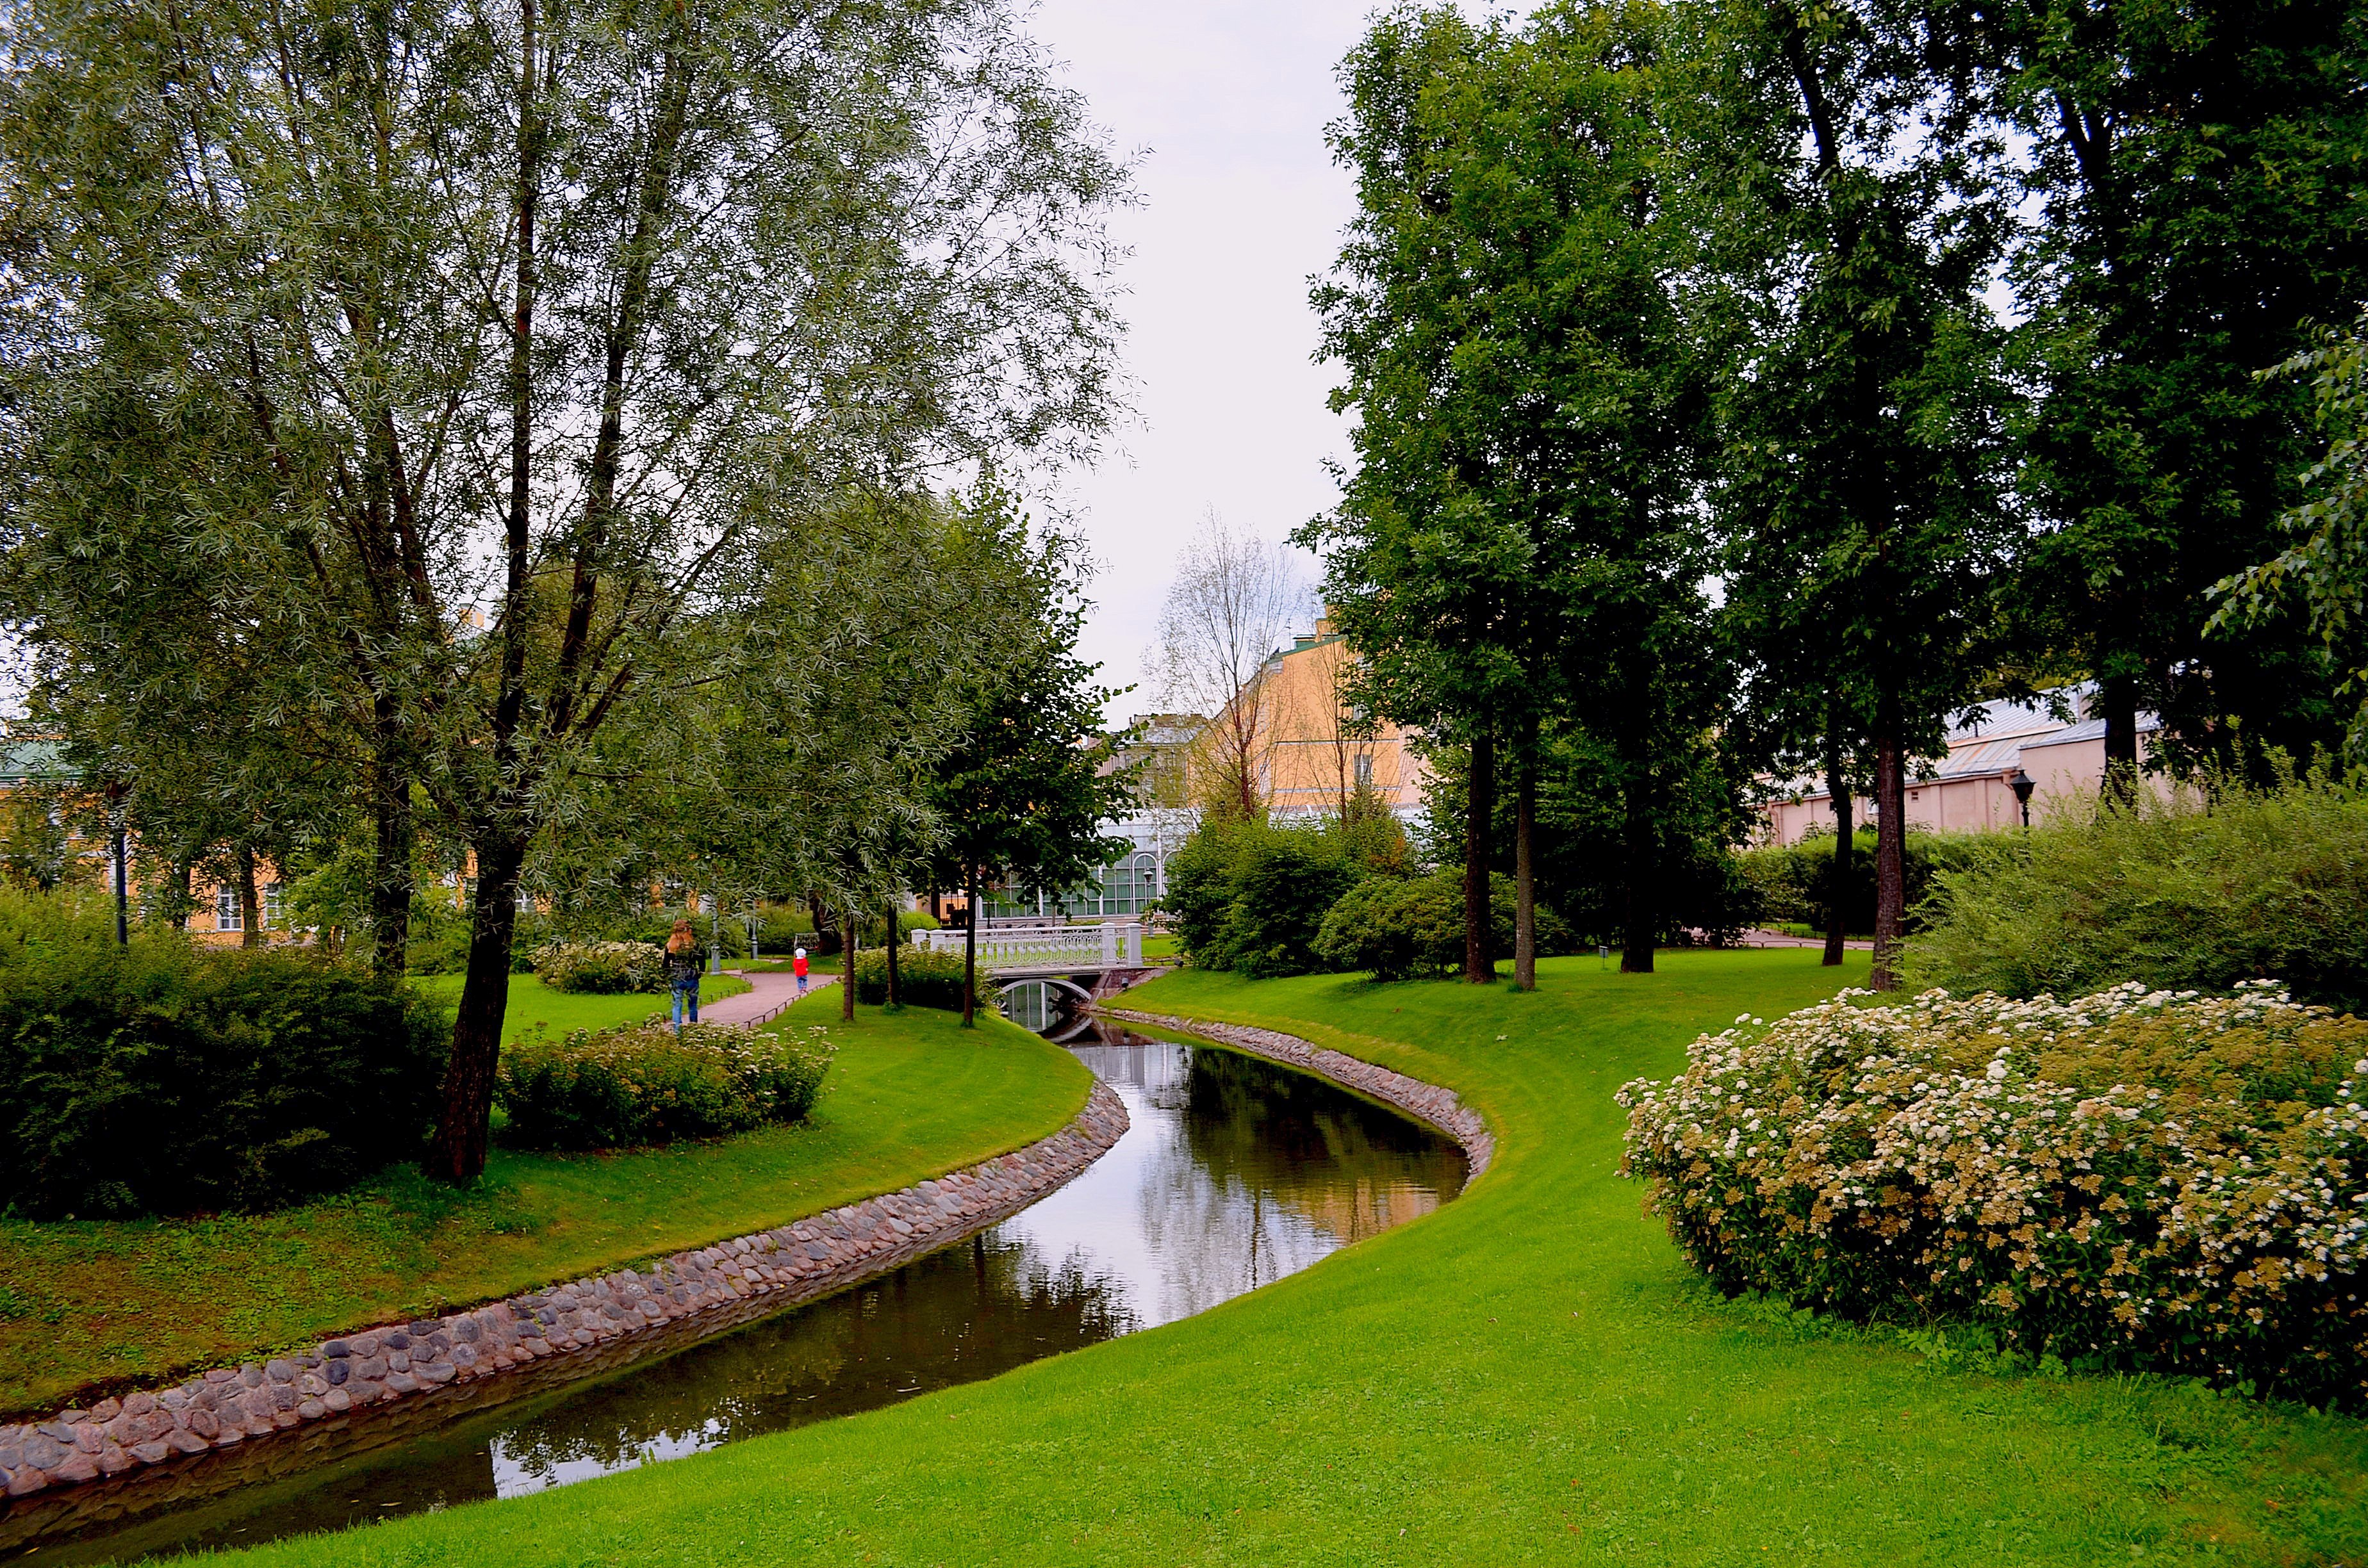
x,y
2137,1178
644,1084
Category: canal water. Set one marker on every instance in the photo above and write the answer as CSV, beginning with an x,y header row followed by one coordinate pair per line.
x,y
1234,1173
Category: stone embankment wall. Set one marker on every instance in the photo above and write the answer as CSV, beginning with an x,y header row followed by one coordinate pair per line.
x,y
1425,1102
356,1372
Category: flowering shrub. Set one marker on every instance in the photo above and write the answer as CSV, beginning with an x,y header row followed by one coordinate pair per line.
x,y
644,1085
923,979
606,968
2142,1179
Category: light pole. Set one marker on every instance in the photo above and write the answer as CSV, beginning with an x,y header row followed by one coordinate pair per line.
x,y
115,813
2022,784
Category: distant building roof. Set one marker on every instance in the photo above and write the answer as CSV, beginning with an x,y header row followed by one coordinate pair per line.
x,y
1994,741
32,758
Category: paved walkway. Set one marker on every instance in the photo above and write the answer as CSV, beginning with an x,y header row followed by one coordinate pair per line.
x,y
768,994
1766,938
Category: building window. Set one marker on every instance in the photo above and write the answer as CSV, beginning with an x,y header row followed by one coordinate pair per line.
x,y
1364,770
275,904
228,916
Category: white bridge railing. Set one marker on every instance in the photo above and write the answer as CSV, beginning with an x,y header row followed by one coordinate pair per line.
x,y
1102,944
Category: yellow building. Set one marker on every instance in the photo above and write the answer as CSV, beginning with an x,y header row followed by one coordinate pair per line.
x,y
1311,749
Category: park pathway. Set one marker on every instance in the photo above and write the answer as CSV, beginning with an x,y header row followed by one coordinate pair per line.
x,y
768,994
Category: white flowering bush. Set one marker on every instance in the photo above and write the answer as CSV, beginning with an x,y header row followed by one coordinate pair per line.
x,y
2142,1179
601,968
646,1083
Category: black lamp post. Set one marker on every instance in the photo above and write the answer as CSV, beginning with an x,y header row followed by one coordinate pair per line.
x,y
2022,784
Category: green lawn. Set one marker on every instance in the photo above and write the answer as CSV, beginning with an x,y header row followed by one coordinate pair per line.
x,y
909,1096
1529,1375
536,1008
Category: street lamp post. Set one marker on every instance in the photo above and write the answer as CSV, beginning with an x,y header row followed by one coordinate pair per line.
x,y
2022,784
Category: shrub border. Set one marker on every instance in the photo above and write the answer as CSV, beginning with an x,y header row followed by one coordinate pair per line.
x,y
1426,1103
345,1379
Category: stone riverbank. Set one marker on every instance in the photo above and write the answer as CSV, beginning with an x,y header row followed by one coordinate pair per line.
x,y
1425,1102
355,1376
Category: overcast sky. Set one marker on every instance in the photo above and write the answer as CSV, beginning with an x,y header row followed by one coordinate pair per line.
x,y
1228,101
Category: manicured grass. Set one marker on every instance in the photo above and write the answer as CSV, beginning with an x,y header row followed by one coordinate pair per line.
x,y
909,1096
1528,1375
1162,947
536,1008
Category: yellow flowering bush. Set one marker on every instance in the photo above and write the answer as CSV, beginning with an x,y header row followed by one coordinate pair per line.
x,y
643,1084
2141,1179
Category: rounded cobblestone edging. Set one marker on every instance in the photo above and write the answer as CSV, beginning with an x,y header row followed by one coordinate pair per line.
x,y
1425,1102
791,1264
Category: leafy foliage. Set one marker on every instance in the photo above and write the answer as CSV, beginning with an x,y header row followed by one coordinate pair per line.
x,y
161,1078
628,1087
2134,1178
602,968
1399,929
1796,882
924,978
1249,896
2175,891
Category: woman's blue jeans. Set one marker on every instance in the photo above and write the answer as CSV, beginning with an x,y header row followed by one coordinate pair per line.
x,y
686,997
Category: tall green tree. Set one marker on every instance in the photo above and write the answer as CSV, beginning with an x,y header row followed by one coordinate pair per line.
x,y
1516,545
2198,177
1860,485
533,319
1025,796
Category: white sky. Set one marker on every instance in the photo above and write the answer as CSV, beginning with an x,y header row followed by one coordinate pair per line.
x,y
1228,100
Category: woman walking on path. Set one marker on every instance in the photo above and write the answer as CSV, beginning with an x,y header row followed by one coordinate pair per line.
x,y
682,972
799,969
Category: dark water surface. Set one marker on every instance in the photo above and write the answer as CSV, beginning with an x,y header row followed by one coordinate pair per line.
x,y
1235,1172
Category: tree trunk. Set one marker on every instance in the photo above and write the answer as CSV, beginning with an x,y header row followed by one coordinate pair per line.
x,y
1479,955
250,907
463,1126
848,937
1838,909
970,948
1890,855
390,873
1639,920
895,1001
1525,881
458,1154
2117,703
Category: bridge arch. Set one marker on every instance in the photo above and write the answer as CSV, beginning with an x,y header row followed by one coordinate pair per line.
x,y
1039,1015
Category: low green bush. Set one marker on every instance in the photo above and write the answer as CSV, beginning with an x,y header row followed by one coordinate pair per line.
x,y
603,969
1794,883
645,1084
1401,928
2144,1179
167,1079
923,979
2185,890
1251,897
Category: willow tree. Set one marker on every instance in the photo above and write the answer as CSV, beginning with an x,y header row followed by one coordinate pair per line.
x,y
534,318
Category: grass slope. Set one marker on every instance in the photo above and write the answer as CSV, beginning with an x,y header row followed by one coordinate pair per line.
x,y
1528,1376
909,1096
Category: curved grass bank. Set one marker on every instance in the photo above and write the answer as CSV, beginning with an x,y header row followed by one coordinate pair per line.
x,y
1529,1375
131,1304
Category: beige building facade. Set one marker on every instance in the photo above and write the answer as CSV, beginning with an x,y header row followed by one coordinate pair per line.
x,y
1970,788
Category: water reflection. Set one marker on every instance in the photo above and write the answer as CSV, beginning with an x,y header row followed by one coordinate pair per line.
x,y
1234,1173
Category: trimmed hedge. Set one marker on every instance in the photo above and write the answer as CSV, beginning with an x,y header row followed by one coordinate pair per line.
x,y
923,979
645,1084
163,1079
